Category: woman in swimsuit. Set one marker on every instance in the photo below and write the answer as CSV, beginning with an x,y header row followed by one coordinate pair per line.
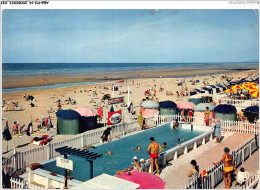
x,y
228,166
190,114
206,116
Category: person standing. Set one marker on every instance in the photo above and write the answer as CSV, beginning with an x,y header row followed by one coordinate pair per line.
x,y
154,152
217,130
228,166
194,173
206,116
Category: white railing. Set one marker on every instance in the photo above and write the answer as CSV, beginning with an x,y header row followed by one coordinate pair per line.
x,y
185,147
240,103
226,125
251,182
21,159
41,153
18,183
215,173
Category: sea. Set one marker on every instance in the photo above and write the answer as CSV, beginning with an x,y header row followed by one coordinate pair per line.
x,y
46,69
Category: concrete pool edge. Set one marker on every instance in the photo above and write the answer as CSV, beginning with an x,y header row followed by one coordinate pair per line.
x,y
60,178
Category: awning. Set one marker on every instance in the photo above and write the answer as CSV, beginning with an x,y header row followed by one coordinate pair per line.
x,y
105,181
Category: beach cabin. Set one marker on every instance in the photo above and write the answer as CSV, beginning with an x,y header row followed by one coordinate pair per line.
x,y
168,108
69,122
89,116
149,108
201,108
196,99
252,113
226,112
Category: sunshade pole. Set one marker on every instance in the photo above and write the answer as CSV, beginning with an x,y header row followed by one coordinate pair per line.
x,y
91,169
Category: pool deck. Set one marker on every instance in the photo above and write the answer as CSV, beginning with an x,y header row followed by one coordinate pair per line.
x,y
176,173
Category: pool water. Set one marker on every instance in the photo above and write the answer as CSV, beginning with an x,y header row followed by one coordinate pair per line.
x,y
123,151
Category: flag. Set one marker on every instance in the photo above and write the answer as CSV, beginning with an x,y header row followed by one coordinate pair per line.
x,y
130,108
28,129
114,117
6,133
100,112
112,109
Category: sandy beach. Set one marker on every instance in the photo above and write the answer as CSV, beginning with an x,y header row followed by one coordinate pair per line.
x,y
46,99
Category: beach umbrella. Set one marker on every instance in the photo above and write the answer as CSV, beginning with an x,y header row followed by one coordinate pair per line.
x,y
244,86
186,105
197,90
86,112
230,90
6,135
236,87
167,104
225,108
252,113
149,104
254,92
144,179
68,114
252,86
202,107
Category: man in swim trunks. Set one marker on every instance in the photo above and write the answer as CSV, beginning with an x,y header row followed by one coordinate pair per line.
x,y
153,152
228,166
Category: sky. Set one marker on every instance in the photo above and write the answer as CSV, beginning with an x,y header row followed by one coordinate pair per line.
x,y
129,36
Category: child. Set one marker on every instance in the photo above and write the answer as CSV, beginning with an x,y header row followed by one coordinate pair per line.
x,y
242,176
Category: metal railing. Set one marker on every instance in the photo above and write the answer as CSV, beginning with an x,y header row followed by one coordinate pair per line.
x,y
215,173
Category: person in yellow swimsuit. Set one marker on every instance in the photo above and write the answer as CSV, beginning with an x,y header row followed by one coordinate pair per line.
x,y
228,166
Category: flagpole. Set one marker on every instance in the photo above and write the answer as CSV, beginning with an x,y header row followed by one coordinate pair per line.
x,y
128,101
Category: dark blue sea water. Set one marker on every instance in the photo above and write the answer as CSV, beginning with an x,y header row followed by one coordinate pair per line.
x,y
44,69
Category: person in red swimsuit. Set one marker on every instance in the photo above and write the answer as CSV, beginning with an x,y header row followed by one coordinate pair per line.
x,y
153,152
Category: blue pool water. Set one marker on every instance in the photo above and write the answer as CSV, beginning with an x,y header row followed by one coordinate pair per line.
x,y
123,151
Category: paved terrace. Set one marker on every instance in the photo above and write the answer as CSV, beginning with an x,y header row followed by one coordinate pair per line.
x,y
176,173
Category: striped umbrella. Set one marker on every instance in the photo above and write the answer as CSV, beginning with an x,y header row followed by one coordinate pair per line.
x,y
252,86
230,90
254,92
244,86
236,87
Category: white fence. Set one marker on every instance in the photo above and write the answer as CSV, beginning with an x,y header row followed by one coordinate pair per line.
x,y
18,183
226,125
21,159
240,104
251,182
215,173
38,154
185,147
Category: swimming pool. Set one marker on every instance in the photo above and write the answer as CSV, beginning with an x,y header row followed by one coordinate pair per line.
x,y
123,151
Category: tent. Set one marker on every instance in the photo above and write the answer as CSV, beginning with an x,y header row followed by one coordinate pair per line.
x,y
196,99
168,108
149,108
69,122
226,112
89,117
200,109
252,113
186,106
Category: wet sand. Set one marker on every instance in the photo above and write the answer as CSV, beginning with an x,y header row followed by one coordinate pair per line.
x,y
28,81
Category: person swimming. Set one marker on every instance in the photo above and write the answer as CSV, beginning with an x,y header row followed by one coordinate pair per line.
x,y
138,148
180,139
109,153
164,145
